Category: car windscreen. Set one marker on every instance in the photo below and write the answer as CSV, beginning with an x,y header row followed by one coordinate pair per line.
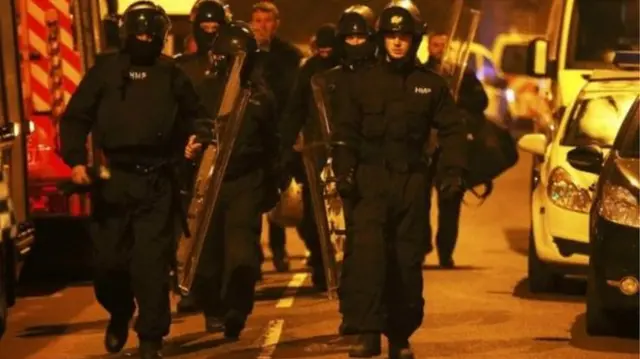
x,y
595,120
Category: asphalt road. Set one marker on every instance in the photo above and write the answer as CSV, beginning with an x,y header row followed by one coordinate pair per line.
x,y
481,310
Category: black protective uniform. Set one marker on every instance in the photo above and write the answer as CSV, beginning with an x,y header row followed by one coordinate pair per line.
x,y
472,100
300,110
230,261
198,67
280,63
357,20
132,223
384,114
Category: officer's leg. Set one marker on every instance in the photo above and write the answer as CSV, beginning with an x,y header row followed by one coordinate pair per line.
x,y
404,281
242,262
345,327
277,244
112,285
308,232
448,223
363,288
150,265
209,277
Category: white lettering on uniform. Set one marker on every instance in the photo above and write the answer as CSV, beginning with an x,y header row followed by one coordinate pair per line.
x,y
137,75
422,90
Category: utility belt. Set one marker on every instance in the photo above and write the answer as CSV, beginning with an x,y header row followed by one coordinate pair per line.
x,y
396,166
155,166
140,168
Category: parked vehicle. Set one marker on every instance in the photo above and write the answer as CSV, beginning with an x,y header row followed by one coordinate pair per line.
x,y
614,228
561,199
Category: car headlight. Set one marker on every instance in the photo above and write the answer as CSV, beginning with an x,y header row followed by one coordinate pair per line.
x,y
564,193
619,206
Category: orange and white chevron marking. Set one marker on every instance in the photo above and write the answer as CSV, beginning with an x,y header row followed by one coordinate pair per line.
x,y
37,41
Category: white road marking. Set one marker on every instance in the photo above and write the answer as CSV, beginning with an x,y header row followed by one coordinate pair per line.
x,y
271,338
40,297
292,288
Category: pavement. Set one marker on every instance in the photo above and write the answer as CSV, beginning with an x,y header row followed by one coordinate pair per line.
x,y
482,309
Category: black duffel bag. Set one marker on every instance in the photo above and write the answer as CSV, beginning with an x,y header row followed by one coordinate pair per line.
x,y
492,151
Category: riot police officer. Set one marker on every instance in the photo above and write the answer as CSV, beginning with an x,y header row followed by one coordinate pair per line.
x,y
141,91
300,108
356,51
384,115
473,101
230,261
206,16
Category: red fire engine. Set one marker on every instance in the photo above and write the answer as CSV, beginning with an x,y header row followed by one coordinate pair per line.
x,y
58,41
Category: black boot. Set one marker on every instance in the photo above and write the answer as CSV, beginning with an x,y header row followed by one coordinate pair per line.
x,y
116,334
318,280
366,346
150,349
187,304
234,323
281,262
400,350
213,324
447,263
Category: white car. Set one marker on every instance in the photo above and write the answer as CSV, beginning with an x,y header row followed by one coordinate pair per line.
x,y
561,198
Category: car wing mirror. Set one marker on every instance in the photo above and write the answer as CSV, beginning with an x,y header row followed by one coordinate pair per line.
x,y
586,158
535,143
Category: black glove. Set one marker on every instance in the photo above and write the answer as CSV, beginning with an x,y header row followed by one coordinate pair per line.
x,y
346,185
451,185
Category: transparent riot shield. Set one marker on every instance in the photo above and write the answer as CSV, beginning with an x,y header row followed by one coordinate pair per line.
x,y
327,209
211,173
465,23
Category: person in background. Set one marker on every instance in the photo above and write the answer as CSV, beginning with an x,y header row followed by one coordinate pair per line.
x,y
280,61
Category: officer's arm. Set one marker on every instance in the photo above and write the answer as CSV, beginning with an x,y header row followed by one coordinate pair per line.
x,y
79,117
452,133
346,130
197,120
296,110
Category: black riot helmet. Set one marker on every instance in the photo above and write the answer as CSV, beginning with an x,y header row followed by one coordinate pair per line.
x,y
206,11
234,38
144,29
357,20
402,16
325,36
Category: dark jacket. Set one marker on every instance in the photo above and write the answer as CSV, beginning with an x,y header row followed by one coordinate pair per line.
x,y
385,114
301,109
280,66
148,111
258,142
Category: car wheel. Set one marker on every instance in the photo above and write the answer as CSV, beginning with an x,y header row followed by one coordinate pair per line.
x,y
600,321
541,278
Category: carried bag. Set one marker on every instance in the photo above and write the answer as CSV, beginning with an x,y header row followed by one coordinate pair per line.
x,y
492,151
